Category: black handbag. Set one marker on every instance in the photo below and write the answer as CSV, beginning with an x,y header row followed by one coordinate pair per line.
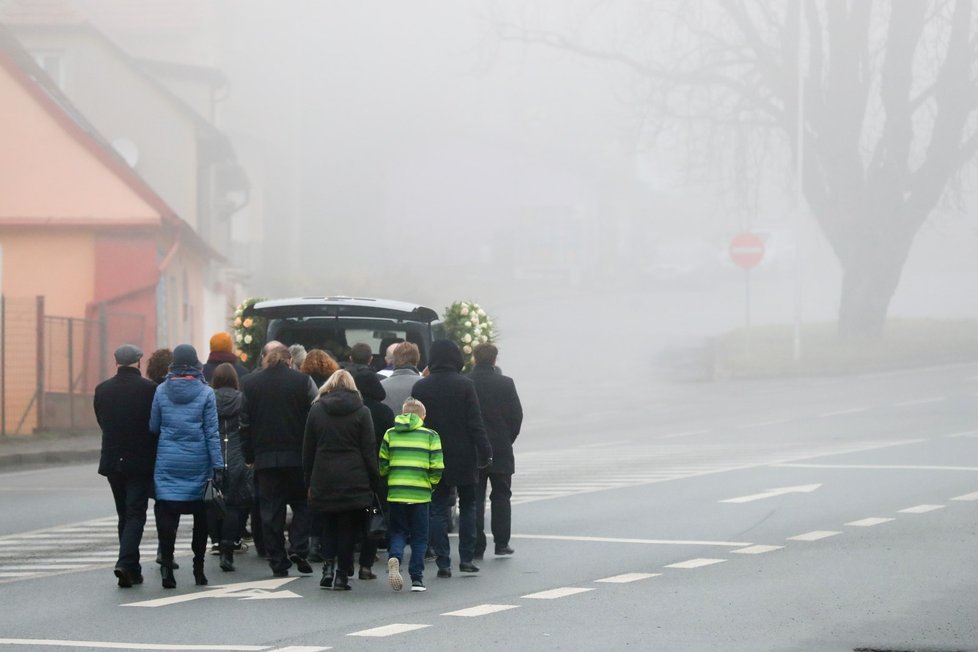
x,y
376,521
214,500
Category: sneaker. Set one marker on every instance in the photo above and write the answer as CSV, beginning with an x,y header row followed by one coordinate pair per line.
x,y
394,574
417,586
300,564
216,549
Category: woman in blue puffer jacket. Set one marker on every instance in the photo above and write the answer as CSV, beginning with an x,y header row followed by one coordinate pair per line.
x,y
189,453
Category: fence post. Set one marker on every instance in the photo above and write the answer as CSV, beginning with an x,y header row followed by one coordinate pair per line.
x,y
40,362
103,343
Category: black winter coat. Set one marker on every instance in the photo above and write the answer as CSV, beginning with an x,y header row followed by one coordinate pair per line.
x,y
373,394
453,412
501,412
273,416
339,457
122,406
218,357
238,477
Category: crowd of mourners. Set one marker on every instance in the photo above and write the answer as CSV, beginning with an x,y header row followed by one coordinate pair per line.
x,y
330,441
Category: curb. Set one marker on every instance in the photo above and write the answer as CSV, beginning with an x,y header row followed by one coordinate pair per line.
x,y
34,458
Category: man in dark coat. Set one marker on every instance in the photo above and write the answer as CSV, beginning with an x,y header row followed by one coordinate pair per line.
x,y
503,416
273,419
453,412
122,406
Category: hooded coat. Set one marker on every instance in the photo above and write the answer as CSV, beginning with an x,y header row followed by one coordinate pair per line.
x,y
453,412
339,454
184,413
238,491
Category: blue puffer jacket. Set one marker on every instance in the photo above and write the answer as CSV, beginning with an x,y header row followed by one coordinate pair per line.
x,y
185,416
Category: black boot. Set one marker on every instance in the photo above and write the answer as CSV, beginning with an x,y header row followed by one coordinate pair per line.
x,y
166,570
199,578
227,557
329,568
315,550
341,582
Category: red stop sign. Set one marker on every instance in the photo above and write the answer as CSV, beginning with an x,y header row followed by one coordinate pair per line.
x,y
746,250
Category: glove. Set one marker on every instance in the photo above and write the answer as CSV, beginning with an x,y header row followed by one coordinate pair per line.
x,y
220,478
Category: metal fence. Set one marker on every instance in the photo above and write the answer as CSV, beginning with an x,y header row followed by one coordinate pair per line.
x,y
49,365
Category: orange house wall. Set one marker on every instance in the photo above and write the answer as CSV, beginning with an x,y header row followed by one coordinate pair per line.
x,y
56,264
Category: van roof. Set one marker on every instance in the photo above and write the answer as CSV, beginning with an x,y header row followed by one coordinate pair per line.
x,y
342,306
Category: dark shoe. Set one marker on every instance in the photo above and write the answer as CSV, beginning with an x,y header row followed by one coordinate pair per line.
x,y
281,573
478,556
240,546
366,574
216,549
468,567
315,550
137,579
199,578
125,577
227,560
301,564
169,582
444,573
417,586
174,565
327,580
342,582
429,555
504,550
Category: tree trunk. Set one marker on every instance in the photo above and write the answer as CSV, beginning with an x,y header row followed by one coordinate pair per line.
x,y
869,281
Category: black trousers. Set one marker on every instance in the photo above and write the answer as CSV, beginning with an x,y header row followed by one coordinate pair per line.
x,y
500,522
281,487
131,494
167,514
340,532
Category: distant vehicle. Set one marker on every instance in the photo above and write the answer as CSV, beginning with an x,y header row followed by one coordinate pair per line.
x,y
335,324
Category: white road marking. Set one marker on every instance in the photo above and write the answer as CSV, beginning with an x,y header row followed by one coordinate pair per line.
x,y
972,496
814,535
301,648
666,542
17,574
882,467
869,522
771,493
628,577
921,509
42,567
839,413
481,610
388,630
757,550
676,435
125,646
604,444
760,424
554,594
258,590
921,401
696,563
966,433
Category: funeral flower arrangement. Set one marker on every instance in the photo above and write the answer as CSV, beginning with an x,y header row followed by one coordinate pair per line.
x,y
467,324
249,333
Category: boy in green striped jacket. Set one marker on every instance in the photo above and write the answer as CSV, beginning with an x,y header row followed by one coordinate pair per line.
x,y
411,459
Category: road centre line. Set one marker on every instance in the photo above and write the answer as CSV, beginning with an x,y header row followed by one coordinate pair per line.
x,y
301,648
760,424
814,535
757,550
696,563
881,467
689,433
664,542
870,522
554,594
126,646
842,412
388,630
627,577
921,509
967,497
481,610
921,401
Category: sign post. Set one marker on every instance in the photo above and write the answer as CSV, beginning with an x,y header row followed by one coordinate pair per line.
x,y
746,252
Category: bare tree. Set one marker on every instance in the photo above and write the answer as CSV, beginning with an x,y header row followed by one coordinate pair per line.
x,y
889,105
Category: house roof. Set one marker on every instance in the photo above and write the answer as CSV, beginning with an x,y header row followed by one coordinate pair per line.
x,y
23,69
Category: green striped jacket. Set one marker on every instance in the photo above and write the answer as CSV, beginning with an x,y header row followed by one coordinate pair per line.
x,y
411,458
